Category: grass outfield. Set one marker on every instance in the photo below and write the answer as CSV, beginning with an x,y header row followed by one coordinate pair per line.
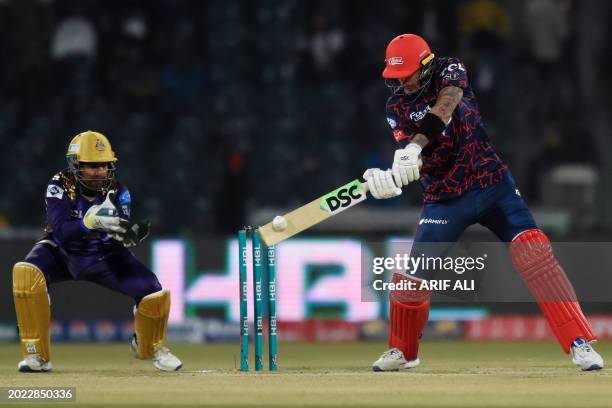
x,y
452,374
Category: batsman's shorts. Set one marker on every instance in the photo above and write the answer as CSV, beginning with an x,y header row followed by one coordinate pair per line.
x,y
500,208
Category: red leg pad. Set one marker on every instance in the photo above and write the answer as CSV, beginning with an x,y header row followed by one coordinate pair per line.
x,y
534,260
409,314
406,326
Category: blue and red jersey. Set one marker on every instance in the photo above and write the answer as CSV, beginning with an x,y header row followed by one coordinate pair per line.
x,y
66,207
461,158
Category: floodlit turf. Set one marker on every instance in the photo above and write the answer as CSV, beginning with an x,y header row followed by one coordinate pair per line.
x,y
451,374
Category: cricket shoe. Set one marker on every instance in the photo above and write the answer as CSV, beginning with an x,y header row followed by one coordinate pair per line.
x,y
163,359
34,364
585,357
393,360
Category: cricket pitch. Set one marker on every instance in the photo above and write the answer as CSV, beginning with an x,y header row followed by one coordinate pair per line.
x,y
457,374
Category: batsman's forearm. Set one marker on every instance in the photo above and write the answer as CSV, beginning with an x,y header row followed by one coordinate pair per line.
x,y
448,99
420,139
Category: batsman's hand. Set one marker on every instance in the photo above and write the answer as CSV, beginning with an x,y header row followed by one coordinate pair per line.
x,y
406,164
104,216
134,232
381,184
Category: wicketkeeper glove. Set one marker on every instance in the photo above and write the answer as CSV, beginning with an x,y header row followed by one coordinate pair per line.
x,y
135,232
104,216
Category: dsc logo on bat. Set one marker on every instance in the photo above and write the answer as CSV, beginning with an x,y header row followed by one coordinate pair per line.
x,y
344,197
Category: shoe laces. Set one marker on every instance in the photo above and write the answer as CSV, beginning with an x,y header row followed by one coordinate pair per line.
x,y
163,351
35,357
586,347
583,346
392,353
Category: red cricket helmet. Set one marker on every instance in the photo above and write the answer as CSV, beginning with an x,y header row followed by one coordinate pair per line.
x,y
405,54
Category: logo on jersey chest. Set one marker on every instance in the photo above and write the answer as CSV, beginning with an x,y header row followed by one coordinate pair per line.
x,y
416,116
76,214
54,191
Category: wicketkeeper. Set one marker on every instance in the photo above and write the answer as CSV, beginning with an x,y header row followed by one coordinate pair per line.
x,y
88,230
435,118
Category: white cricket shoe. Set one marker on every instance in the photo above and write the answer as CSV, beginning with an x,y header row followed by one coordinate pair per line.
x,y
393,360
34,364
585,357
164,360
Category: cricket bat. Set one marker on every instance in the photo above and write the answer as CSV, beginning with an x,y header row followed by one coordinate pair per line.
x,y
316,211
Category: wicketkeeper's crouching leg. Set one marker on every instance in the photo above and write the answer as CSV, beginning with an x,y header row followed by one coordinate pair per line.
x,y
408,316
33,316
534,260
151,323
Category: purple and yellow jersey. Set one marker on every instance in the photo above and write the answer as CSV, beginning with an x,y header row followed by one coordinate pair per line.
x,y
66,207
461,158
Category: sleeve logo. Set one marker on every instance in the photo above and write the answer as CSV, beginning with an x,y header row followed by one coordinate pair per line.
x,y
124,201
54,191
125,197
392,123
450,72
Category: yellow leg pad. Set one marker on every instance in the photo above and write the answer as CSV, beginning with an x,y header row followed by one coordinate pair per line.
x,y
151,322
32,309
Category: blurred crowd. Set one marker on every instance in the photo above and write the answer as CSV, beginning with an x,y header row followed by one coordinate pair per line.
x,y
215,107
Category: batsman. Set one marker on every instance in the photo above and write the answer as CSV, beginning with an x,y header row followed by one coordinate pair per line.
x,y
86,238
434,117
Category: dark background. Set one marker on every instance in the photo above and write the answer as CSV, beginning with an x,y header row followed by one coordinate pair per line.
x,y
221,108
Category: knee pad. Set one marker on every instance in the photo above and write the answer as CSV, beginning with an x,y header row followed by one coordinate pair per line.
x,y
534,260
151,322
32,309
405,295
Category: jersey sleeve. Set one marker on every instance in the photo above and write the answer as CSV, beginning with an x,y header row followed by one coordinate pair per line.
x,y
453,73
124,202
59,218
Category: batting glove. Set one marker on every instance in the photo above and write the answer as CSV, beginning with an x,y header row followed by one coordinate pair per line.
x,y
381,184
406,164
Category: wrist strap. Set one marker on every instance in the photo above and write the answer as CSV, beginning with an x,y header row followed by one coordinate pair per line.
x,y
431,126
